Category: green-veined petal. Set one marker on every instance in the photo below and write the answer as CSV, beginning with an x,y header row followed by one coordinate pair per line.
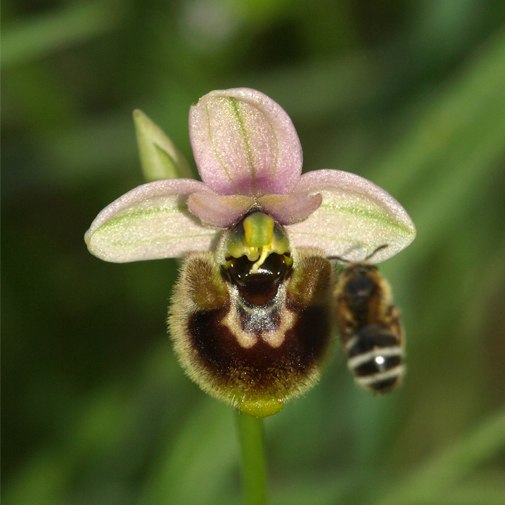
x,y
150,222
354,219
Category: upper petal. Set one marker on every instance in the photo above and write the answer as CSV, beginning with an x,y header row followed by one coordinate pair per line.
x,y
244,143
290,209
219,210
150,222
355,218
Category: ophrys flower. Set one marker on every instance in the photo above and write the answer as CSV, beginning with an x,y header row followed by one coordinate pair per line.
x,y
252,313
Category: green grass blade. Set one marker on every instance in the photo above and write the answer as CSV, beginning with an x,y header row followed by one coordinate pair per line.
x,y
72,25
451,464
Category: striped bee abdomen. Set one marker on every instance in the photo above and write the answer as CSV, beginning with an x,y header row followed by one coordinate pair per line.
x,y
375,356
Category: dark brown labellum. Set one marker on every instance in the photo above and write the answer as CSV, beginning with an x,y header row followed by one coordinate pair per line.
x,y
264,336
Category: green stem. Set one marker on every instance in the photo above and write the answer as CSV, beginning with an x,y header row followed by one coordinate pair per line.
x,y
253,459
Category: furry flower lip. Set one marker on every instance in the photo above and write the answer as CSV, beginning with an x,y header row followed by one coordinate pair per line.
x,y
254,310
249,157
252,324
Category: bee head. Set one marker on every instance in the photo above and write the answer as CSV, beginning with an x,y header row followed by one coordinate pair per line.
x,y
360,284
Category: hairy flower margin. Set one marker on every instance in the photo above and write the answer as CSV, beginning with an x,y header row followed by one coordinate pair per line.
x,y
249,158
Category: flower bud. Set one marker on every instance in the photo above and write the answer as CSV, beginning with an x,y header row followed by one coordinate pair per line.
x,y
159,157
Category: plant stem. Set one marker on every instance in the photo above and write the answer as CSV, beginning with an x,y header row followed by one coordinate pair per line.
x,y
253,459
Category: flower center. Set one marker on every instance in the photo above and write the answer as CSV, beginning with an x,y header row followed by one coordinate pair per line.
x,y
256,237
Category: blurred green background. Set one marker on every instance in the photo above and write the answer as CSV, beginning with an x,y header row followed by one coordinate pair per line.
x,y
410,94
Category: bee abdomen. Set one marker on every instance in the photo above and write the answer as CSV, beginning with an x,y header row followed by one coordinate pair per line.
x,y
375,356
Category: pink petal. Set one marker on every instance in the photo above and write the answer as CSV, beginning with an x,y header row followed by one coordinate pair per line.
x,y
218,210
355,218
290,209
244,143
150,222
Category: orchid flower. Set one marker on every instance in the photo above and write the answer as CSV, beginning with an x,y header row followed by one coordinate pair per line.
x,y
256,219
249,156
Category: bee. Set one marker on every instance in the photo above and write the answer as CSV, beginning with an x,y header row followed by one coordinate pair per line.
x,y
370,328
252,322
